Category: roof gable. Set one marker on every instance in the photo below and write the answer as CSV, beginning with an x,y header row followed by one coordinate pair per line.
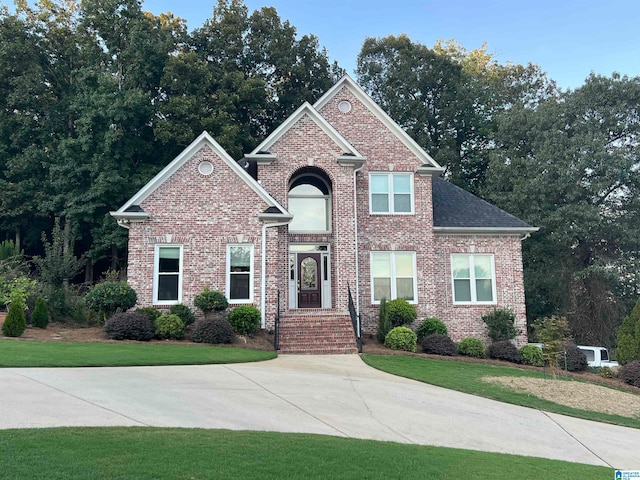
x,y
326,127
456,210
203,140
347,82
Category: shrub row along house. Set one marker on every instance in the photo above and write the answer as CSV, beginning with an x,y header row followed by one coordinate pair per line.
x,y
338,198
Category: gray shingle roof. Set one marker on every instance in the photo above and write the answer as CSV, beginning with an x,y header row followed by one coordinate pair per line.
x,y
454,207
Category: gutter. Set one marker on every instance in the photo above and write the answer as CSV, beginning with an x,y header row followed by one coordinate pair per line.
x,y
263,274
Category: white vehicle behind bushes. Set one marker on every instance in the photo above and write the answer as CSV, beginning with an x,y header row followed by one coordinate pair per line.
x,y
597,356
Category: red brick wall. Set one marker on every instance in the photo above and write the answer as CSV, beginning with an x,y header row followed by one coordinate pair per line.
x,y
203,214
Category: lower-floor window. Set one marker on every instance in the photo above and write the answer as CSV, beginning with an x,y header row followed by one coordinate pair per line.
x,y
240,273
473,278
167,285
393,275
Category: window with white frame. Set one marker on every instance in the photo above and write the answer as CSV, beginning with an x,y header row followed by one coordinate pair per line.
x,y
167,284
393,275
391,192
240,273
473,277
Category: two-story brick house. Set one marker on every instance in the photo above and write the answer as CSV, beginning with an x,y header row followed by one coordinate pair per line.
x,y
337,197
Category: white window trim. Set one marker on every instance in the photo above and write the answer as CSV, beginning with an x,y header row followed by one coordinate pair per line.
x,y
472,279
389,176
156,274
228,274
392,254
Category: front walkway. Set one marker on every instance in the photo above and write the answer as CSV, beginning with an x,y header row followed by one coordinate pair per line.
x,y
332,395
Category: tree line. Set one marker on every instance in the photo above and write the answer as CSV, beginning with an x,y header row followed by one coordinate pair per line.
x,y
96,96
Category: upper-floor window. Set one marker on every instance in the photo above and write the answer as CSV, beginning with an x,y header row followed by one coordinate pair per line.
x,y
167,278
391,192
310,204
474,279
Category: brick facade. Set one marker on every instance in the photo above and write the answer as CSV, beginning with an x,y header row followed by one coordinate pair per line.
x,y
204,213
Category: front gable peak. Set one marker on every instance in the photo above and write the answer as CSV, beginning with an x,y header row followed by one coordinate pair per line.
x,y
262,150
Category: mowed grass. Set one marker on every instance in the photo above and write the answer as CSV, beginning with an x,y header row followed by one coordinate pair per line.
x,y
151,453
466,377
50,354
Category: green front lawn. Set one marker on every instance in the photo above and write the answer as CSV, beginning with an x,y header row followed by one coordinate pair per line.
x,y
466,377
146,453
50,354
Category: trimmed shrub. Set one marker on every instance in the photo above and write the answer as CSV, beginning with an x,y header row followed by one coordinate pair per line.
x,y
576,360
244,319
438,344
501,324
169,326
129,326
401,312
472,347
111,297
210,301
213,330
16,322
504,350
401,338
605,372
430,326
40,316
184,312
384,324
532,355
152,313
628,340
630,373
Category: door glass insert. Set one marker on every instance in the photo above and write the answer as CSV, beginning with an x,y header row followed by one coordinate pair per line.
x,y
309,270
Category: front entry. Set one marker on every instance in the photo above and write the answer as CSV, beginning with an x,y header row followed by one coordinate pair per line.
x,y
309,281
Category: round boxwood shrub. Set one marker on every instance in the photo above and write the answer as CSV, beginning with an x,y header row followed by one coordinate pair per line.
x,y
472,347
438,344
110,297
16,322
150,312
630,373
169,326
501,324
213,330
430,326
576,360
184,312
532,355
40,316
210,301
244,319
504,350
129,326
401,338
401,312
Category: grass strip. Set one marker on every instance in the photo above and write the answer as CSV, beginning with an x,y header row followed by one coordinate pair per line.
x,y
151,453
466,377
51,354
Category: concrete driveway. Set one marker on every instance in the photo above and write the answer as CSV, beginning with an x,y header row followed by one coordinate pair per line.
x,y
331,395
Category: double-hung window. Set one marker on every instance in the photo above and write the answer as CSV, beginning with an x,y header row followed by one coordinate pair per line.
x,y
391,193
167,279
473,277
240,273
393,275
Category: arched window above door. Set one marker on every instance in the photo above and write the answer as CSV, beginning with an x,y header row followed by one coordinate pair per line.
x,y
310,204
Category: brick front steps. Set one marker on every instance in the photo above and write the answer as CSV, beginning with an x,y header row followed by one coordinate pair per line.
x,y
316,331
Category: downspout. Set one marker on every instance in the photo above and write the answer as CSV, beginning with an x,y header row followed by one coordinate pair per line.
x,y
263,275
355,231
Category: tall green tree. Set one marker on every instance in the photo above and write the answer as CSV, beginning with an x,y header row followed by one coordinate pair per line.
x,y
447,98
570,166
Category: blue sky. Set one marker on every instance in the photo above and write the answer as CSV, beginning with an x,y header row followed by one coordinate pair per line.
x,y
567,38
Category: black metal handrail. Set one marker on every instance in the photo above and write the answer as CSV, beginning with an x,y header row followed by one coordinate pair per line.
x,y
355,320
276,327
